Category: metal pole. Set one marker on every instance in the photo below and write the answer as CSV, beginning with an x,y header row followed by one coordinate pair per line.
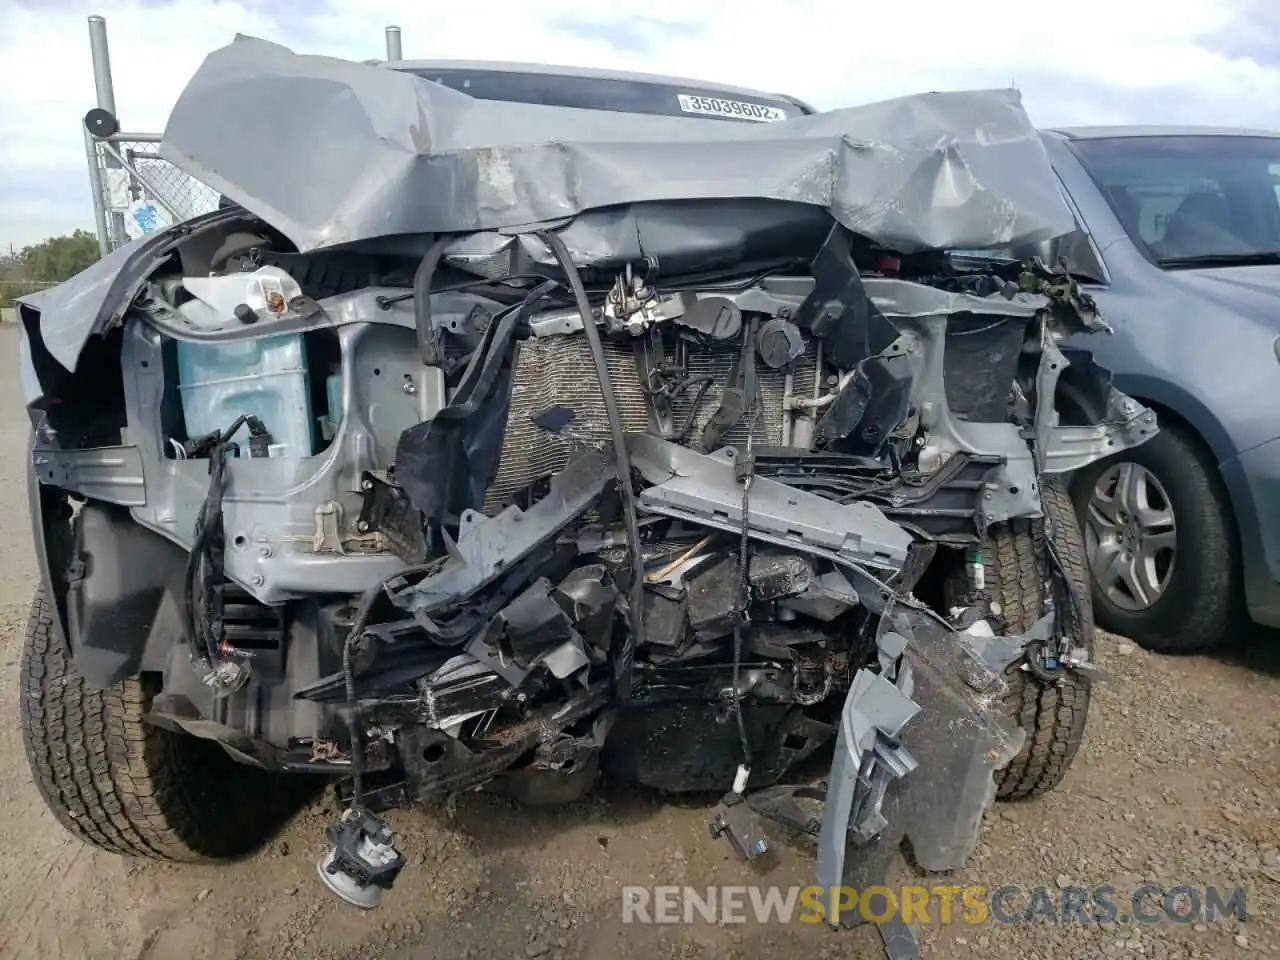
x,y
102,64
106,93
98,191
394,51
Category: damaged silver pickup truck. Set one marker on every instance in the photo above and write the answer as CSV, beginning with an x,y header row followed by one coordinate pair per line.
x,y
489,445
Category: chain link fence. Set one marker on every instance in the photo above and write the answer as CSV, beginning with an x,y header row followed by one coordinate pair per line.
x,y
141,191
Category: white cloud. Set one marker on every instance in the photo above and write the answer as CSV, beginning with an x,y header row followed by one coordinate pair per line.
x,y
1098,61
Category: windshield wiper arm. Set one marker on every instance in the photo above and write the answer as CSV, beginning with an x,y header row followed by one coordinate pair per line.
x,y
1253,258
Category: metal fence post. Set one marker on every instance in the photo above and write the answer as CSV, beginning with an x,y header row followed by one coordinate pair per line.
x,y
106,94
394,51
97,188
102,64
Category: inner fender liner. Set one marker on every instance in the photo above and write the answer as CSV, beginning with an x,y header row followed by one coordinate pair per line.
x,y
51,524
123,587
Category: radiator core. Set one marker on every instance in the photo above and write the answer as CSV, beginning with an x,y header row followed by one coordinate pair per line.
x,y
557,372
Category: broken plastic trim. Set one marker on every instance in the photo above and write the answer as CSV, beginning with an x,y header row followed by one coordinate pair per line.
x,y
936,763
702,489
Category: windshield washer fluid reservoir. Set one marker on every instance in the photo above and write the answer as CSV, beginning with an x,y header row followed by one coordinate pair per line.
x,y
266,378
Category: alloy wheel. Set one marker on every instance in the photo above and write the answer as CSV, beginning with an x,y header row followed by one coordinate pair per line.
x,y
1130,536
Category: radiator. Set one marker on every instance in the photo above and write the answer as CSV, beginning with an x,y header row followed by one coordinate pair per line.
x,y
558,372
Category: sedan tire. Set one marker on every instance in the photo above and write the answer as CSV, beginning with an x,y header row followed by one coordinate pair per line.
x,y
1161,544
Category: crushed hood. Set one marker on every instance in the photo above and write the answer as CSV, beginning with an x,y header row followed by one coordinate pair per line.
x,y
332,152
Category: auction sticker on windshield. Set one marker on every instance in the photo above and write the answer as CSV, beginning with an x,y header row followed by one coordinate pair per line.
x,y
732,109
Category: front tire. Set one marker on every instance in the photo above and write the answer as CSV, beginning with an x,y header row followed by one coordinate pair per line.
x,y
1161,544
1053,715
123,785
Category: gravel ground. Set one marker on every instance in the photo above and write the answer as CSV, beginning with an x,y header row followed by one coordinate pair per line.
x,y
1178,783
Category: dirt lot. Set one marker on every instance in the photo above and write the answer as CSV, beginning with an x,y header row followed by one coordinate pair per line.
x,y
1178,783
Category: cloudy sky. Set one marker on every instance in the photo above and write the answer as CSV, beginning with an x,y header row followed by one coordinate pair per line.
x,y
1085,62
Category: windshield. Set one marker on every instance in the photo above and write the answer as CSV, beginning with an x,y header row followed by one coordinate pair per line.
x,y
621,96
1193,200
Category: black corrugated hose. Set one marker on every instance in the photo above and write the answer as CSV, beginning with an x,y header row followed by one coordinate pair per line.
x,y
622,664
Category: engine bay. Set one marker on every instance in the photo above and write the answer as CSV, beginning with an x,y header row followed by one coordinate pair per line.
x,y
808,450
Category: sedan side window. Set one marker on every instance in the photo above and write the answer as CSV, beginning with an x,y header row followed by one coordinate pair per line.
x,y
1077,250
1191,200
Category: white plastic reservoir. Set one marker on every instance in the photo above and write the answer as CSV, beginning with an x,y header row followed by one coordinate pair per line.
x,y
266,378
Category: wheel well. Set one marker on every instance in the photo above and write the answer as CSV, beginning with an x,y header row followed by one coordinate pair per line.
x,y
1168,418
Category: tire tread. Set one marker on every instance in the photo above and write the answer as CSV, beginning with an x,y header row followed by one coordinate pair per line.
x,y
118,782
1053,715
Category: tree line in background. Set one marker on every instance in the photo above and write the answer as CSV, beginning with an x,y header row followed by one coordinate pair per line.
x,y
43,264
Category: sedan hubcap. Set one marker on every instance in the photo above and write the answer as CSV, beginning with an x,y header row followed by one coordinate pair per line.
x,y
1130,536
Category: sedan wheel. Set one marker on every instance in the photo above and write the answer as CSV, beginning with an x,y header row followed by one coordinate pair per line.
x,y
1131,536
1161,545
